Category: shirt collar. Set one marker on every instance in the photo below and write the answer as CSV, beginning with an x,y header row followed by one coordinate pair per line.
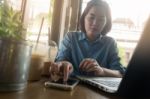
x,y
82,36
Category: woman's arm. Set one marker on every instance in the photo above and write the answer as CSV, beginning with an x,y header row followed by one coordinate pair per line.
x,y
115,67
64,51
108,73
112,68
90,65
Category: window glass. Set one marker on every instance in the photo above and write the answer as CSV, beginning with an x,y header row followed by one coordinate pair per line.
x,y
38,20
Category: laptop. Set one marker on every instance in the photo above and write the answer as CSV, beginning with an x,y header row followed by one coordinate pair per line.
x,y
107,84
136,81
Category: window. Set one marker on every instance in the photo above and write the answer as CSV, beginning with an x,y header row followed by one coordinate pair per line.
x,y
37,17
16,4
39,20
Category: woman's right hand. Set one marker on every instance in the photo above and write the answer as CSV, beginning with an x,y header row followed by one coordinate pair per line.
x,y
60,70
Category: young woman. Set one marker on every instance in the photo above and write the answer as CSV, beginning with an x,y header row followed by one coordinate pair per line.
x,y
89,52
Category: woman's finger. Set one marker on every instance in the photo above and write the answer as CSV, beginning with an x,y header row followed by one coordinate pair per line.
x,y
89,66
51,69
57,67
93,68
54,71
81,64
70,69
84,64
66,72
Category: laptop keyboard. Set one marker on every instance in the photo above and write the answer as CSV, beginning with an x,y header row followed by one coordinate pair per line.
x,y
108,83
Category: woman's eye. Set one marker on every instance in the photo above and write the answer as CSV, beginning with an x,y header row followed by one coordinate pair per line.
x,y
101,20
91,18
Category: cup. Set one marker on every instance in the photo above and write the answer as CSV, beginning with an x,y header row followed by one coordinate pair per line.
x,y
37,62
52,50
36,66
46,67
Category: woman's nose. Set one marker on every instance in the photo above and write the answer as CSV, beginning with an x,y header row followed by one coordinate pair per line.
x,y
94,22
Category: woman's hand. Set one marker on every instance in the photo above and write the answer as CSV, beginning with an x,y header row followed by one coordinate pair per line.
x,y
61,70
91,65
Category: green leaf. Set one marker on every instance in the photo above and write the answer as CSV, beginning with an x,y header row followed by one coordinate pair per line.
x,y
11,25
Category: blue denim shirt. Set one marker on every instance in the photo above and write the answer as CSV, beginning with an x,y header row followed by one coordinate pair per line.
x,y
75,47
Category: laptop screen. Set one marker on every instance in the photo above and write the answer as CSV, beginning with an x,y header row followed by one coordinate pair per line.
x,y
136,81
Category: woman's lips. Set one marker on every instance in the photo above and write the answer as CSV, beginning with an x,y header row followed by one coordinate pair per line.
x,y
94,29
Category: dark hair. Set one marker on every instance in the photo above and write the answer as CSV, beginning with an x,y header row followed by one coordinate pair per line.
x,y
92,3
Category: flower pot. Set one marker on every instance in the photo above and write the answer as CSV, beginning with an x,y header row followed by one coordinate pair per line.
x,y
14,64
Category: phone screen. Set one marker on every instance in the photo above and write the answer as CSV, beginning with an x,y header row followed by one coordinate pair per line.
x,y
69,85
69,81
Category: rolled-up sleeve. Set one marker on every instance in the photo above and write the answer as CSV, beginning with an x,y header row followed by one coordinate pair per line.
x,y
64,51
114,59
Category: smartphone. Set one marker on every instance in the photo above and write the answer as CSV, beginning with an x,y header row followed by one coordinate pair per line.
x,y
69,85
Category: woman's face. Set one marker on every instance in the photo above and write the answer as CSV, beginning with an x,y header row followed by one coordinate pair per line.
x,y
95,21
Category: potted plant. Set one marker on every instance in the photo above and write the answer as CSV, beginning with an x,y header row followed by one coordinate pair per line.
x,y
15,52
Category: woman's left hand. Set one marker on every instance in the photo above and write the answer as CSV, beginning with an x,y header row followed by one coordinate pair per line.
x,y
91,65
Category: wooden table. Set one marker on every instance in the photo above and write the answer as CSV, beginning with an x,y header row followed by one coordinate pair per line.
x,y
36,90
